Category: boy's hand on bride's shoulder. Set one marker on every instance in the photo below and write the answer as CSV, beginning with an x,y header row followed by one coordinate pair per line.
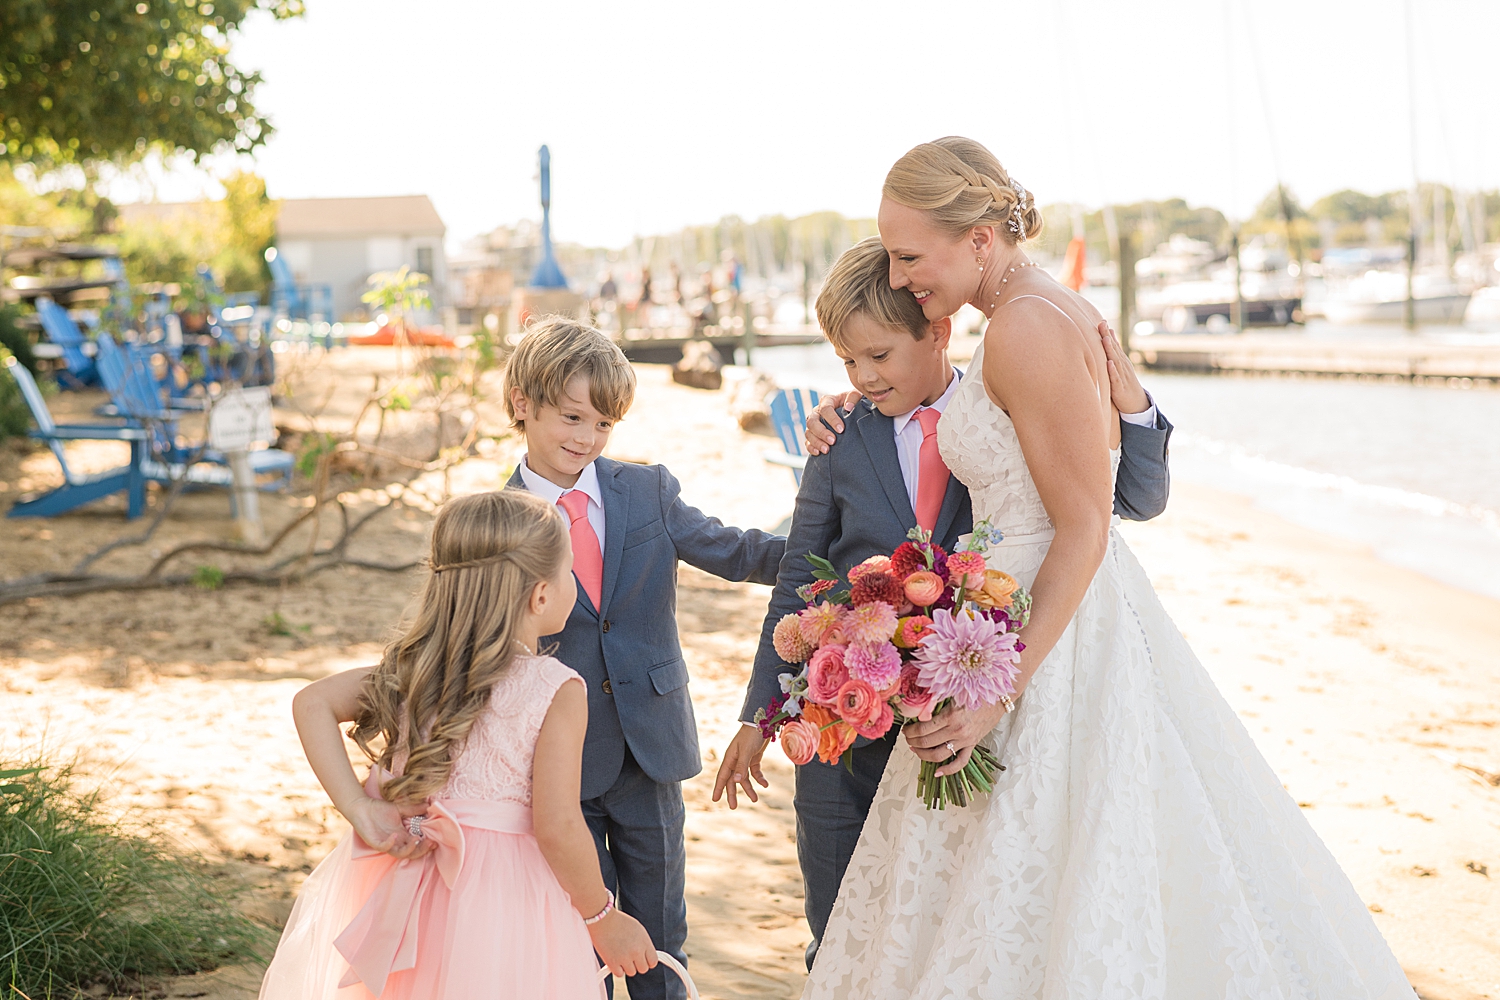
x,y
382,825
741,763
1125,389
824,424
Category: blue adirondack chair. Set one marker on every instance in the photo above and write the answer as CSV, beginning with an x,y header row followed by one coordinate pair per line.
x,y
126,373
789,412
297,301
77,489
64,332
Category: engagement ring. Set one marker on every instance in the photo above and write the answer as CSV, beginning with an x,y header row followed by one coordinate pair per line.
x,y
414,826
951,749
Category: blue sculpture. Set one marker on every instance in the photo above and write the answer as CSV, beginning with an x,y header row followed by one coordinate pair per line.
x,y
547,273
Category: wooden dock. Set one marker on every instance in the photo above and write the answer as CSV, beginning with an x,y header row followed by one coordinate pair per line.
x,y
665,346
1416,359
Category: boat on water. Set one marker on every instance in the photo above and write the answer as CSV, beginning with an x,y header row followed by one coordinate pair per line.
x,y
1380,296
1188,284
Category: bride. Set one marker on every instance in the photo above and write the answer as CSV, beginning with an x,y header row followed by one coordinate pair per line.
x,y
1137,844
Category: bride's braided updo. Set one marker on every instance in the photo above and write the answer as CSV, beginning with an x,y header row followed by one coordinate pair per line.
x,y
962,185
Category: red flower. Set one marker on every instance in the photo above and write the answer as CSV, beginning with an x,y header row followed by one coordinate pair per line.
x,y
876,585
907,560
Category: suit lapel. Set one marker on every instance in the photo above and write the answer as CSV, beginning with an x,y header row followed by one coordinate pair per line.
x,y
952,500
616,503
878,433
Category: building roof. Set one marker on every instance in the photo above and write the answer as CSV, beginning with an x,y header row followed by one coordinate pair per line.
x,y
400,215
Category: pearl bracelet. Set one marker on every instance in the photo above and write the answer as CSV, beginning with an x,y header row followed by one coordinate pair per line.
x,y
1005,699
609,907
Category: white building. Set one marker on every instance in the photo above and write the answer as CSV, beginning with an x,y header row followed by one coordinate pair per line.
x,y
340,242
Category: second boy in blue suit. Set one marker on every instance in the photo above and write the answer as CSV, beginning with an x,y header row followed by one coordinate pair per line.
x,y
860,499
565,387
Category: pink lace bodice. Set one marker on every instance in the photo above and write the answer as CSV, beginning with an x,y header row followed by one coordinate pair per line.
x,y
495,762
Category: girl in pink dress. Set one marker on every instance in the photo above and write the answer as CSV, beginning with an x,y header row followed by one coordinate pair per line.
x,y
470,872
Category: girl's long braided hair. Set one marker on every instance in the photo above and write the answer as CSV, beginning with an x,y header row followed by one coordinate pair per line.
x,y
488,551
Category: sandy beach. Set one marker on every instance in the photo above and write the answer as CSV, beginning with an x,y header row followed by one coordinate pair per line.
x,y
1363,684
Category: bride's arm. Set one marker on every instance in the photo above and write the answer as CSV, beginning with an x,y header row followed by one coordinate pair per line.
x,y
1037,368
1040,373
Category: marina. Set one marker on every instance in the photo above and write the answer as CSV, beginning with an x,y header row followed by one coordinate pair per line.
x,y
1434,357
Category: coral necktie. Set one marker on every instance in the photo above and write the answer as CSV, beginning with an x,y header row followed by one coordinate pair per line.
x,y
588,562
932,473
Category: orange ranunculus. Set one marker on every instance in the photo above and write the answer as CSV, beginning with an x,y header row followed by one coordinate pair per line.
x,y
923,587
997,590
834,736
799,741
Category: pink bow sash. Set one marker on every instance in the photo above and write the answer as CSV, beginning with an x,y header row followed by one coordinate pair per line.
x,y
382,937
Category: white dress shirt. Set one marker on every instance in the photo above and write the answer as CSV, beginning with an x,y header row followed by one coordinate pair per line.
x,y
1146,418
588,484
909,439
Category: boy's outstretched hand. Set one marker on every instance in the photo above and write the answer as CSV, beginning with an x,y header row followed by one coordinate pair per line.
x,y
741,763
1125,391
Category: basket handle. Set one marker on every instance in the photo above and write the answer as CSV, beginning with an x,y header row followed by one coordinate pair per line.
x,y
676,967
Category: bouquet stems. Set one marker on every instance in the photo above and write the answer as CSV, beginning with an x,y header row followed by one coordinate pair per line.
x,y
959,788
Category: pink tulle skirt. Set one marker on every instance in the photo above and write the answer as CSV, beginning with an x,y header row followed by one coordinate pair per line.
x,y
483,917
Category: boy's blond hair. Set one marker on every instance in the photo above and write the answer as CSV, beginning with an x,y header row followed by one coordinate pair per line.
x,y
554,351
860,282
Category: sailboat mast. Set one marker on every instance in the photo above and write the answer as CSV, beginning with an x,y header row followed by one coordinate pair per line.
x,y
1414,196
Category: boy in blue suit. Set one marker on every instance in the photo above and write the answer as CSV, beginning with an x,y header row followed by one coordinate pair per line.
x,y
565,387
860,498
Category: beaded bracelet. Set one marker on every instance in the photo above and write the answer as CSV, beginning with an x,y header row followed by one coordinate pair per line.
x,y
609,906
1005,699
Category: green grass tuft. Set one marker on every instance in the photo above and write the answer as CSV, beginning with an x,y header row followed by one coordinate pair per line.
x,y
84,901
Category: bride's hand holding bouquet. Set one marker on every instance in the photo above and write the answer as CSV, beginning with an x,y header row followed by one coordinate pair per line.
x,y
920,638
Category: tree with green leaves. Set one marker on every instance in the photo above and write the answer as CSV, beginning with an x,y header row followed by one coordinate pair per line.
x,y
88,81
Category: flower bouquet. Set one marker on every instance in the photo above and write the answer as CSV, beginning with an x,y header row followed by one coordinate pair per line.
x,y
912,634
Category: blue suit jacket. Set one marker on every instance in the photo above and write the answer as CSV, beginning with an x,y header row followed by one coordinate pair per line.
x,y
853,505
630,641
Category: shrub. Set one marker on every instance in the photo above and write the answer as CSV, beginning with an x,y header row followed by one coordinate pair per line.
x,y
15,416
84,901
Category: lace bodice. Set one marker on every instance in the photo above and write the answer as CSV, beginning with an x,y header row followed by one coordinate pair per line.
x,y
979,444
495,762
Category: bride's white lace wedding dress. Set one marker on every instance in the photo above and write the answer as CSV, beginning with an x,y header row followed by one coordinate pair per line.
x,y
1136,846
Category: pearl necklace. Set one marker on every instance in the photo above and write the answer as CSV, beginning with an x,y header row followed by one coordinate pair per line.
x,y
1006,280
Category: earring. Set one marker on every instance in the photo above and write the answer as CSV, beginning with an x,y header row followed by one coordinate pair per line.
x,y
980,262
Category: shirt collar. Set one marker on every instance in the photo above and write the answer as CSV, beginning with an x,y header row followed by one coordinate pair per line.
x,y
940,404
588,484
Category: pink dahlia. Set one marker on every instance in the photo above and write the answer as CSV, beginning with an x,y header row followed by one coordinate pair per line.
x,y
790,644
871,623
878,664
967,659
820,619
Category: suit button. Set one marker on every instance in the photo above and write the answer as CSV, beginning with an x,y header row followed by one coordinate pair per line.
x,y
605,626
608,687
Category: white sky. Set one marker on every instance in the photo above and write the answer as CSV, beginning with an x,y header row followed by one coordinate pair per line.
x,y
661,114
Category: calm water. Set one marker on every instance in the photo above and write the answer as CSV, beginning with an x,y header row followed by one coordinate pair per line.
x,y
1412,471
